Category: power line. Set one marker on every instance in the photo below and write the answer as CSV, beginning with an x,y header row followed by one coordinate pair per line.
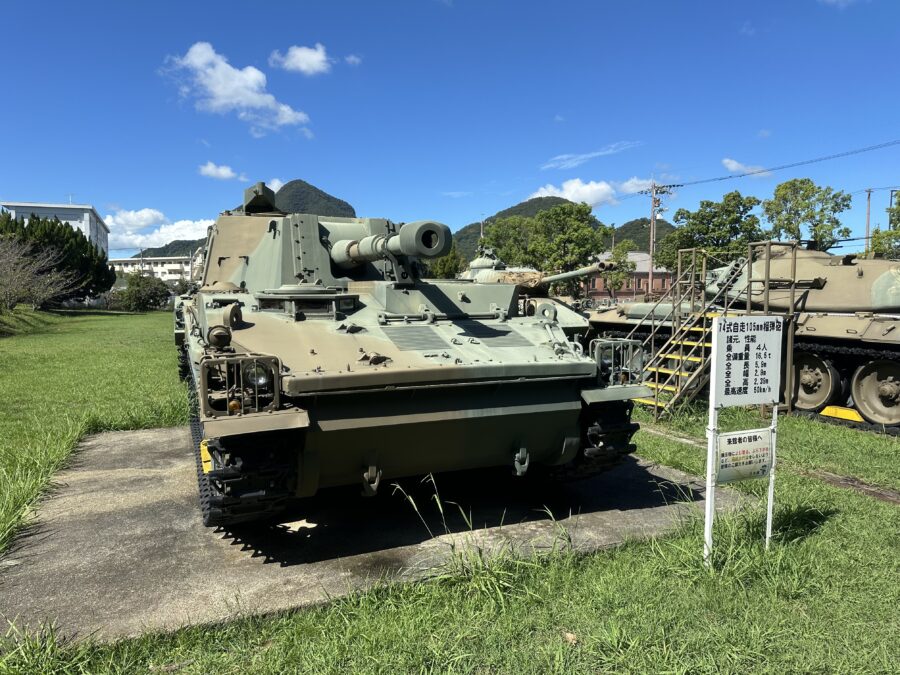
x,y
757,172
888,187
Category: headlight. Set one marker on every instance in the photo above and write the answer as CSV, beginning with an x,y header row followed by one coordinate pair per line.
x,y
256,375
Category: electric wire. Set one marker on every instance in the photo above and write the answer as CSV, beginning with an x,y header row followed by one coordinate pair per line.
x,y
757,172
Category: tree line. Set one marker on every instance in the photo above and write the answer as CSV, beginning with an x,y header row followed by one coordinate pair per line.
x,y
799,209
568,236
46,261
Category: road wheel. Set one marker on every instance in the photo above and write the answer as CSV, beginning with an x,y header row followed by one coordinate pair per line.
x,y
816,381
876,391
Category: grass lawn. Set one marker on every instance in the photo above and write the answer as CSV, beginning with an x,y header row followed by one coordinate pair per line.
x,y
824,599
22,321
67,375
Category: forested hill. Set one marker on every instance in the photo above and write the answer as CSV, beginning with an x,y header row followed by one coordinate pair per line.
x,y
638,230
177,247
298,196
466,237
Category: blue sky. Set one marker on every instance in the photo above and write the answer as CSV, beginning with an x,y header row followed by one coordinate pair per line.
x,y
159,113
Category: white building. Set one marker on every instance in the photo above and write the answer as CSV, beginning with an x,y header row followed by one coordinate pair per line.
x,y
82,217
170,268
167,268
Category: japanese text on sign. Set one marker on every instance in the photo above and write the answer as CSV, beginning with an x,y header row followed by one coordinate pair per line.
x,y
743,454
746,366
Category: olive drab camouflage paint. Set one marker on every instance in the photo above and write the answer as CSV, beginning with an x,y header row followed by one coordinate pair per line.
x,y
318,357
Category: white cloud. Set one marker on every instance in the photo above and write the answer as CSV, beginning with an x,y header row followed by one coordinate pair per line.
x,y
737,167
275,184
592,192
634,184
134,220
353,59
306,60
456,194
840,4
570,161
559,118
763,133
150,227
747,29
220,88
217,171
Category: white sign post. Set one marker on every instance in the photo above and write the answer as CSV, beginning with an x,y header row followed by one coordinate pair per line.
x,y
745,370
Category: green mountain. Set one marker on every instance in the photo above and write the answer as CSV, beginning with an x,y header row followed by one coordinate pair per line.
x,y
466,237
177,247
298,196
638,230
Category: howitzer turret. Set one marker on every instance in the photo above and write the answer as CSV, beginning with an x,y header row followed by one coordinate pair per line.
x,y
313,345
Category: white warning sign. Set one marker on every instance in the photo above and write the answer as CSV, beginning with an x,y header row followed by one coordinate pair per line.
x,y
742,455
746,363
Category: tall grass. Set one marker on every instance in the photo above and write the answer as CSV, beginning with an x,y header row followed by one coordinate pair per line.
x,y
92,372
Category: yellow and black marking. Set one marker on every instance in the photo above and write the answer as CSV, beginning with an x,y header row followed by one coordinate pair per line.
x,y
205,458
841,413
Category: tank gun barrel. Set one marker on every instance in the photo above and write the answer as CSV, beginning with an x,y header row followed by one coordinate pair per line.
x,y
582,272
422,239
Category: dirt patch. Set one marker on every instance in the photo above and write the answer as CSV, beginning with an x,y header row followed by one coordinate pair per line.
x,y
880,493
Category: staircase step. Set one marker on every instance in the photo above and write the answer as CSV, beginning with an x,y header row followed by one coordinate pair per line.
x,y
650,401
700,329
695,359
691,343
668,371
664,387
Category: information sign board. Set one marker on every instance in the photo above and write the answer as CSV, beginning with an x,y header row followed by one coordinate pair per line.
x,y
745,370
743,455
746,362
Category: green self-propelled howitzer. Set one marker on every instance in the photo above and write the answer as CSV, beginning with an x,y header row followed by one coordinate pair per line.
x,y
319,357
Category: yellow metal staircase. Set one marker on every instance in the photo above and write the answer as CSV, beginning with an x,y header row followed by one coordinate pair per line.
x,y
680,338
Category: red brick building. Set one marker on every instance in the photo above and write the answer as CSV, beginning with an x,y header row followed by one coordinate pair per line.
x,y
638,285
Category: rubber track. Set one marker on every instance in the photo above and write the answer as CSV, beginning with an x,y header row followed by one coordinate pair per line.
x,y
204,488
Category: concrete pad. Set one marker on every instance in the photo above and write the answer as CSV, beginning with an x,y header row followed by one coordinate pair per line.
x,y
119,549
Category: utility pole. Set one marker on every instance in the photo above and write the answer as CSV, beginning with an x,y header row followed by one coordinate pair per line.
x,y
656,194
654,204
868,213
892,225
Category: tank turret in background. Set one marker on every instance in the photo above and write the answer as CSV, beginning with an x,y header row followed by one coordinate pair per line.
x,y
487,268
318,357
